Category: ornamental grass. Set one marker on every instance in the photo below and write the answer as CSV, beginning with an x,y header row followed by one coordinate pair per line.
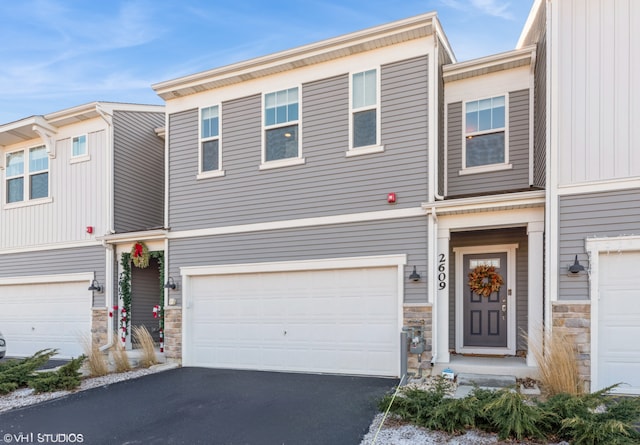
x,y
120,357
96,359
147,345
557,364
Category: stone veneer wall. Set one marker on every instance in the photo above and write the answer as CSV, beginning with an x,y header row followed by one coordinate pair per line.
x,y
574,320
419,315
99,326
173,332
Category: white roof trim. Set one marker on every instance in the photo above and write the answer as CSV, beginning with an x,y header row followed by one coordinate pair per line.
x,y
490,64
346,45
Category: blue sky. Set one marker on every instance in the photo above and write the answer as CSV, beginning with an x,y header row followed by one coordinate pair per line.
x,y
56,54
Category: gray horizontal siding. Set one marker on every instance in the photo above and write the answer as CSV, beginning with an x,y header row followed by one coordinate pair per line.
x,y
329,183
591,215
138,171
402,236
55,262
516,235
540,115
516,178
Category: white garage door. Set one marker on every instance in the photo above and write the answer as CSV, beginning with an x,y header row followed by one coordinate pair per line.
x,y
619,321
40,316
328,321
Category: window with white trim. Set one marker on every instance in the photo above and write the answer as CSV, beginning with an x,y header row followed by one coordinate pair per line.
x,y
27,175
210,152
281,125
364,109
79,146
485,125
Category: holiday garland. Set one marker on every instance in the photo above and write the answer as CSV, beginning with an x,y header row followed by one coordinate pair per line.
x,y
124,286
484,280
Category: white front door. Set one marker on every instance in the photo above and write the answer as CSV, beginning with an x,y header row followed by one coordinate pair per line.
x,y
341,321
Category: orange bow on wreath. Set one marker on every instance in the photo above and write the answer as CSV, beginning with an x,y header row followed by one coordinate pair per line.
x,y
484,280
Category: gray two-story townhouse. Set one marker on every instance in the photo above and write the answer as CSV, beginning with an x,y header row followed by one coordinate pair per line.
x,y
297,239
588,122
67,179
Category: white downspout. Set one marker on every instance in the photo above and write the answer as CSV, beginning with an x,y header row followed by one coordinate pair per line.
x,y
110,255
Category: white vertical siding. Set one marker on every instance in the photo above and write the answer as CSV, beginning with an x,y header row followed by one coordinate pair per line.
x,y
77,196
598,107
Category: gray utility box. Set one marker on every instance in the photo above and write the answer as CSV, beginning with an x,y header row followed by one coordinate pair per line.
x,y
416,338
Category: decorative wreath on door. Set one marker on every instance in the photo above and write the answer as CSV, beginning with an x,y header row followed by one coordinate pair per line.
x,y
140,255
484,280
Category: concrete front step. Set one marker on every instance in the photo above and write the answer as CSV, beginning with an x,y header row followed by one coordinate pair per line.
x,y
468,382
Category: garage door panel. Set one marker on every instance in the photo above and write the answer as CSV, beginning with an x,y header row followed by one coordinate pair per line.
x,y
334,321
45,315
619,321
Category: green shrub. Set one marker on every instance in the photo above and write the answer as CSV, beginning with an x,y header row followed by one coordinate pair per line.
x,y
453,415
513,417
15,374
65,378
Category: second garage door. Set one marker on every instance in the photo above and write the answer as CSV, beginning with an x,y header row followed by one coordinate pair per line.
x,y
329,321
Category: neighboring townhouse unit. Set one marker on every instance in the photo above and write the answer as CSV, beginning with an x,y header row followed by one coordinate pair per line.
x,y
65,178
591,99
294,201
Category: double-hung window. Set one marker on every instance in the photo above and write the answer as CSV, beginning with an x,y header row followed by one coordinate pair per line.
x,y
485,126
281,127
365,119
27,175
210,149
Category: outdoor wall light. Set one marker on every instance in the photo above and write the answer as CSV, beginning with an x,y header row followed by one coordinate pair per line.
x,y
415,276
95,286
170,284
576,267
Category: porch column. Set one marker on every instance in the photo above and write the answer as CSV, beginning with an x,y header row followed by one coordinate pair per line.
x,y
442,294
535,231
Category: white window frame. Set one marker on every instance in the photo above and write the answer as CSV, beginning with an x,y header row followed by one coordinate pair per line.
x,y
368,149
490,167
26,180
210,173
287,162
82,157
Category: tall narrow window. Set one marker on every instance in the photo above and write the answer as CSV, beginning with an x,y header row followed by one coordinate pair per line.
x,y
210,155
281,121
79,146
38,173
364,107
15,177
485,132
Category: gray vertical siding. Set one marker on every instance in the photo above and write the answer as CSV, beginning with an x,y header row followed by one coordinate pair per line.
x,y
591,215
540,101
138,171
328,183
486,238
402,236
59,261
516,178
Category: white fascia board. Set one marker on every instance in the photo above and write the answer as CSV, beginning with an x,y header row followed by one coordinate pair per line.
x,y
483,65
297,265
45,279
128,237
531,18
489,202
348,44
45,247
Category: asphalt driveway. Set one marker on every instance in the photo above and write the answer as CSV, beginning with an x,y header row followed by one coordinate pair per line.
x,y
206,406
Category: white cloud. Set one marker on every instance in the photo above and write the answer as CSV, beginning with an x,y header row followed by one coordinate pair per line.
x,y
494,8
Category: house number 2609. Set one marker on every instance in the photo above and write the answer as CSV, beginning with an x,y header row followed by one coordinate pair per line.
x,y
442,271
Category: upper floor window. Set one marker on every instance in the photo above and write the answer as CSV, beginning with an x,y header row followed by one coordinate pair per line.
x,y
364,109
27,174
79,146
281,125
210,153
485,132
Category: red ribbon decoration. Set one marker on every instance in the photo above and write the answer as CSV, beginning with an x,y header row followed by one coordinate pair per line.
x,y
138,250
